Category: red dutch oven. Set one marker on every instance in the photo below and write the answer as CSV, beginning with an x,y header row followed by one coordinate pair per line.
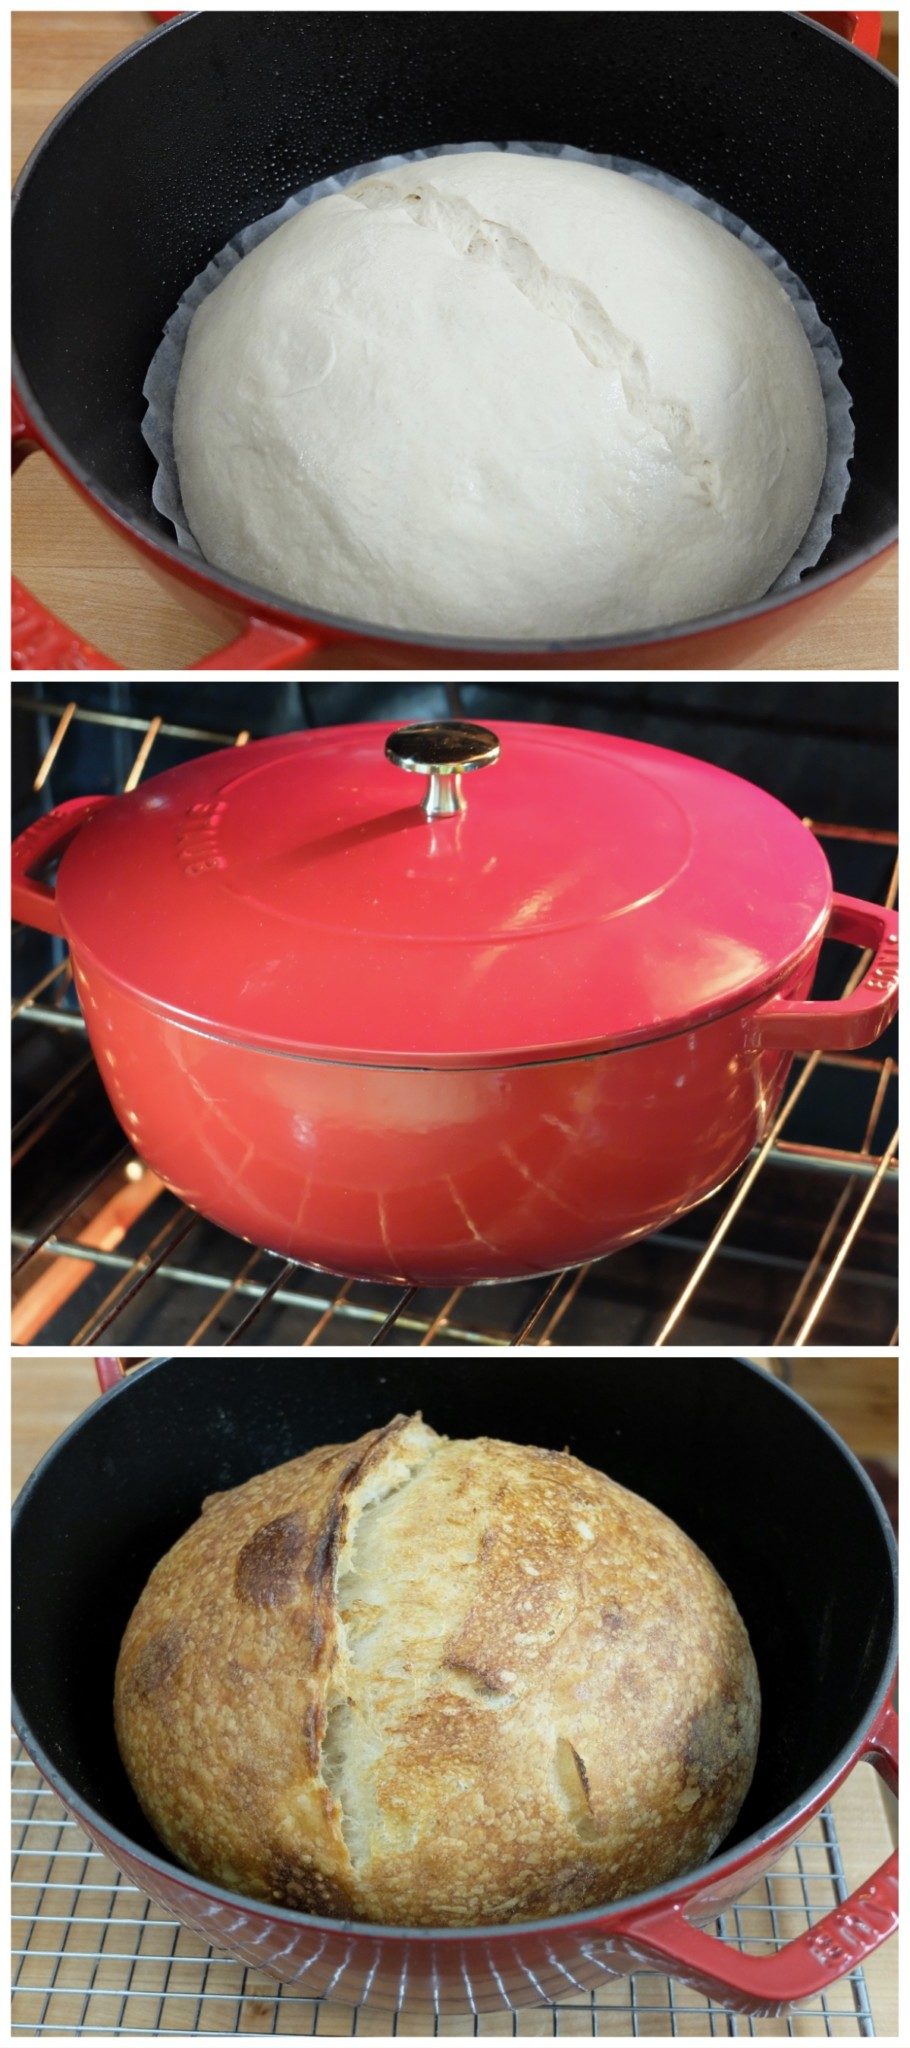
x,y
217,117
778,1503
381,1027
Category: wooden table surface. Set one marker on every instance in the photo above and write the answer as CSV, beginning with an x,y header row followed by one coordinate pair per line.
x,y
75,563
48,1394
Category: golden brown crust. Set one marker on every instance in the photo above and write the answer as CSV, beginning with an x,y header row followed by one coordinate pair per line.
x,y
435,1682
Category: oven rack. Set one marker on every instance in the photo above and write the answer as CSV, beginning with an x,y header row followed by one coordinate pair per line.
x,y
92,1955
799,1248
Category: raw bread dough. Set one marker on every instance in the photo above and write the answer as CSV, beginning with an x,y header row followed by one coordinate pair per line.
x,y
499,397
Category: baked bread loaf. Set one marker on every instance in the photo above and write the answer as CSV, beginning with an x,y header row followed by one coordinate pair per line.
x,y
433,1682
497,396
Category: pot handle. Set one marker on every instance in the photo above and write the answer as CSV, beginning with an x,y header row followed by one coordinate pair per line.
x,y
35,902
864,31
110,1371
41,641
855,1019
805,1966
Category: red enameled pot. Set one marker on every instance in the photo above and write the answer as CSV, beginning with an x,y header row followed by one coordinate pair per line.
x,y
408,1034
217,117
777,1502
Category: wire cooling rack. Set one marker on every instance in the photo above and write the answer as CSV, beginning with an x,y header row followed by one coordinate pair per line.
x,y
92,1955
800,1247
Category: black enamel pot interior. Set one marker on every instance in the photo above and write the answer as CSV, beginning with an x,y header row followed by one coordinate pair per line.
x,y
214,120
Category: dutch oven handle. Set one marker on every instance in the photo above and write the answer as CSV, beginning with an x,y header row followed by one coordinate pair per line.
x,y
34,901
856,1019
110,1371
804,1967
41,642
864,31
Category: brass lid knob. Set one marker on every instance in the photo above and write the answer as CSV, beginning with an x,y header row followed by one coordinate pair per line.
x,y
445,752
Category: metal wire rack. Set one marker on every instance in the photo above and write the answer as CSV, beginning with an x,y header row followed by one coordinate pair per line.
x,y
92,1955
800,1248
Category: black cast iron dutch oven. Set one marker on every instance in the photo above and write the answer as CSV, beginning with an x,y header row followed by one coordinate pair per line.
x,y
215,119
753,1475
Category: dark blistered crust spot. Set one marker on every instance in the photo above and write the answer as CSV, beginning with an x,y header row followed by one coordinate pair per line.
x,y
484,1675
156,1663
582,1777
296,1883
314,1725
613,1621
267,1569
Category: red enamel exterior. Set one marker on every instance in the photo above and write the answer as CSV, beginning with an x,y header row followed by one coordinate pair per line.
x,y
493,1969
431,1177
444,1139
275,639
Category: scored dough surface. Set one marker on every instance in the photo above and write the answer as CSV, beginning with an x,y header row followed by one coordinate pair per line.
x,y
435,1682
504,396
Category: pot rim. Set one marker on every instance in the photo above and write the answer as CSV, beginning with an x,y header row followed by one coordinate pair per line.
x,y
688,1886
273,604
506,1061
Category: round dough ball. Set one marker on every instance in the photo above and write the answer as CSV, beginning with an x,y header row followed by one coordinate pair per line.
x,y
500,397
433,1682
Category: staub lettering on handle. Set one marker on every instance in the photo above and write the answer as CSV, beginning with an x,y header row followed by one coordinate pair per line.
x,y
871,1914
197,841
883,974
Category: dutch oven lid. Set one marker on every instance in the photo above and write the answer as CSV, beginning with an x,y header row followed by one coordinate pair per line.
x,y
583,892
